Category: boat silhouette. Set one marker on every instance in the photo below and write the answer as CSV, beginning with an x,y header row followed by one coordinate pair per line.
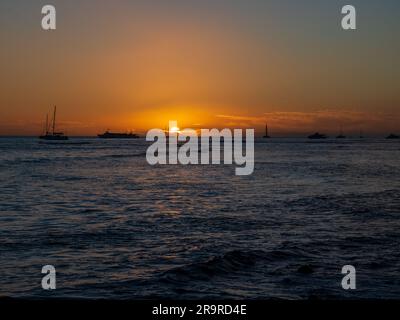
x,y
266,132
393,136
317,135
341,135
117,135
53,134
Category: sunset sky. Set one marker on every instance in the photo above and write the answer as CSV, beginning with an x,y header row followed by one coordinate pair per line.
x,y
133,65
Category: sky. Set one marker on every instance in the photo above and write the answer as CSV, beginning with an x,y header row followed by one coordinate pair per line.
x,y
134,65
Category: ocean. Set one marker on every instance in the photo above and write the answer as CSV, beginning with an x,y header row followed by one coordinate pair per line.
x,y
115,227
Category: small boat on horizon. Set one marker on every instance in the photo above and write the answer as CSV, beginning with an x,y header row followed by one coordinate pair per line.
x,y
341,135
317,135
53,135
266,132
393,136
117,135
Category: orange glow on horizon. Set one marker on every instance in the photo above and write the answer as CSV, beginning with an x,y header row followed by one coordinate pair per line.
x,y
196,118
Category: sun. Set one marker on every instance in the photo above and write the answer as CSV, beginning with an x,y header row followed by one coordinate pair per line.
x,y
174,130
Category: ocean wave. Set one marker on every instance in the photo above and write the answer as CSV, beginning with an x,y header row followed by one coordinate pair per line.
x,y
228,263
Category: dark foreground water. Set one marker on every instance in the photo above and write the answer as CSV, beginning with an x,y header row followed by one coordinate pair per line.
x,y
114,227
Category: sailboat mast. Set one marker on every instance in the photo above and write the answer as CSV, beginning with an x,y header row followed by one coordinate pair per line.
x,y
54,119
47,123
266,130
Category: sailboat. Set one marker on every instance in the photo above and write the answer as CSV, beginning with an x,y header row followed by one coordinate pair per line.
x,y
341,135
53,135
266,132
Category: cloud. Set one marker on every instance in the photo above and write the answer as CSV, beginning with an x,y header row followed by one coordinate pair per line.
x,y
241,118
330,121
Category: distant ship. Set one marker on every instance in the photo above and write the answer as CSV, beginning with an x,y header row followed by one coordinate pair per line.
x,y
53,135
116,135
317,135
266,132
393,136
341,135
